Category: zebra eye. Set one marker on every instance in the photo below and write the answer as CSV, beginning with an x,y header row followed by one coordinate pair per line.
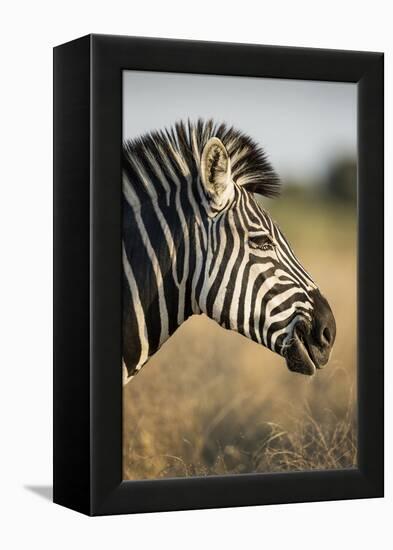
x,y
261,242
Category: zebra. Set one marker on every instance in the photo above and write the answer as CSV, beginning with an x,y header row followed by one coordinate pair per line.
x,y
197,241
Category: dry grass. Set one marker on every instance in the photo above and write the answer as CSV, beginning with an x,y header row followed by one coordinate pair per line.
x,y
211,402
309,445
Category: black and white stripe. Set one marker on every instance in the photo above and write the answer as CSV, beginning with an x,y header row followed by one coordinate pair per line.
x,y
195,240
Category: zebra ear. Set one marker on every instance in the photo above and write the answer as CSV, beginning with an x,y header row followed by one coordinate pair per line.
x,y
216,171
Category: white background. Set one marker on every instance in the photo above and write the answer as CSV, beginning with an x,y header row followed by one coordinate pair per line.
x,y
28,32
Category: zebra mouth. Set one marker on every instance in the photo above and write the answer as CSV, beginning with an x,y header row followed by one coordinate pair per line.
x,y
299,356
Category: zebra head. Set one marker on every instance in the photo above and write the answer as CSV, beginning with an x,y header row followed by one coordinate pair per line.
x,y
195,240
253,283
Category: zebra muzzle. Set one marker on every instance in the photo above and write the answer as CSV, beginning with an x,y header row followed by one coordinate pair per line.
x,y
311,345
298,356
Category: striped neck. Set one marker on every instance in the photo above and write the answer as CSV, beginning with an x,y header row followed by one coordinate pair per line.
x,y
164,254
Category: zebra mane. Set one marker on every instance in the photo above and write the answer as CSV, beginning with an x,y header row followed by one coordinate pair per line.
x,y
182,146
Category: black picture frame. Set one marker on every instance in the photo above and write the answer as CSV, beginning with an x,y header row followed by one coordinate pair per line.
x,y
87,274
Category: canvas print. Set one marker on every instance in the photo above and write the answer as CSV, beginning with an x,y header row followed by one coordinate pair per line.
x,y
239,275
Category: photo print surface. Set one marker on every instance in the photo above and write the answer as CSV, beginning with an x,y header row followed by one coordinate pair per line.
x,y
239,275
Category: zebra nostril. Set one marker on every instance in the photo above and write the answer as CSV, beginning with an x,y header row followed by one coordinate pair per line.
x,y
324,323
326,335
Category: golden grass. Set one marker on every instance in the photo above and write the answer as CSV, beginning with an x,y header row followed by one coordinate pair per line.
x,y
211,402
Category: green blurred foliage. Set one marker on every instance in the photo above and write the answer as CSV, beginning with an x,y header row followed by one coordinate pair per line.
x,y
341,180
321,212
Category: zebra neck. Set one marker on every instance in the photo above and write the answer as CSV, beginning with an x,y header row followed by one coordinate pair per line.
x,y
163,255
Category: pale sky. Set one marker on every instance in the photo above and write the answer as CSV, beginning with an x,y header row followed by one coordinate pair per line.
x,y
302,125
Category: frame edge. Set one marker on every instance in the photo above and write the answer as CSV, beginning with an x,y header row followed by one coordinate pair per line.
x,y
71,272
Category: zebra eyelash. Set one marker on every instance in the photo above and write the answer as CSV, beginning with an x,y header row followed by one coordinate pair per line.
x,y
261,241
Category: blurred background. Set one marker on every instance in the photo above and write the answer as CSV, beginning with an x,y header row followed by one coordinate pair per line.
x,y
211,402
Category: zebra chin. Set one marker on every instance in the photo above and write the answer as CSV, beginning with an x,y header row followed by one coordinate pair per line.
x,y
298,354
